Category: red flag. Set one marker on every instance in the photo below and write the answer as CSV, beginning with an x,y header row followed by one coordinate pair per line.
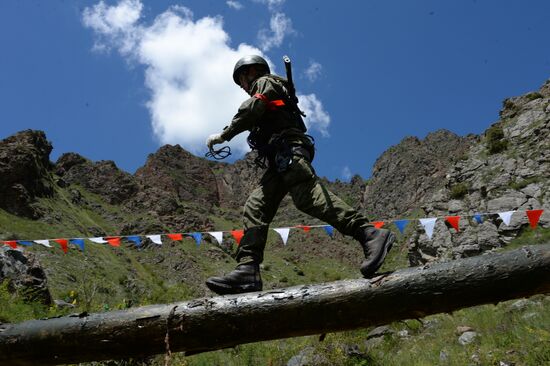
x,y
238,235
453,220
305,228
64,244
11,243
534,216
378,224
175,237
113,240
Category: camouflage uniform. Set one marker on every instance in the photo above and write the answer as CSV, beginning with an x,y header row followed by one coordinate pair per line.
x,y
257,114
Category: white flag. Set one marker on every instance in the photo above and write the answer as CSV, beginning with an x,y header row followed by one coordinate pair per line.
x,y
506,216
429,225
45,243
98,240
155,239
283,232
218,235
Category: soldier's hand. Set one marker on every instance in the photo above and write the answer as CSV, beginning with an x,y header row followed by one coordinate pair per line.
x,y
213,140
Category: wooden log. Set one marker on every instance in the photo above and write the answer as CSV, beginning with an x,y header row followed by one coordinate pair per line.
x,y
225,321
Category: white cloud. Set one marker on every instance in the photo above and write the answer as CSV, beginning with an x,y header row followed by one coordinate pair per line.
x,y
317,118
114,23
188,70
234,4
346,173
279,27
272,4
313,71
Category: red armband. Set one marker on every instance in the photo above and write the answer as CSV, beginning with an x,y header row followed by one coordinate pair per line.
x,y
271,104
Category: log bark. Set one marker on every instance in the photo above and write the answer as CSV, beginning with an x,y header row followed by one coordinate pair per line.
x,y
225,321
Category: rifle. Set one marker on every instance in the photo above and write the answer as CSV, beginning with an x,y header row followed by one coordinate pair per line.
x,y
291,89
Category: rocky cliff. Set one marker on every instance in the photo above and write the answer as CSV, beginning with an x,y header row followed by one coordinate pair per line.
x,y
506,168
24,166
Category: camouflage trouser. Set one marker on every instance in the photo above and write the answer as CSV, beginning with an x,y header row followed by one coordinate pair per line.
x,y
309,195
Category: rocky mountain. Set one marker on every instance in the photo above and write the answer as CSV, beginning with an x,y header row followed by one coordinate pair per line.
x,y
507,168
406,175
504,169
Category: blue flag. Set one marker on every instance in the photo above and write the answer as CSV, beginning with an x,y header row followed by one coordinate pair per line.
x,y
78,242
478,218
401,225
24,242
136,239
197,237
329,229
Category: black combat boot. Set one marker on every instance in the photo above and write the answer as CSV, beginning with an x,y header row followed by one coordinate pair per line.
x,y
376,244
245,278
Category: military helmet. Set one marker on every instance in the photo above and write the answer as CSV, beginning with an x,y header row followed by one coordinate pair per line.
x,y
247,61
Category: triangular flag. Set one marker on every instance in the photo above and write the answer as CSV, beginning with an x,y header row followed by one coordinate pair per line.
x,y
98,240
113,240
329,229
175,237
506,217
377,224
63,243
135,239
45,243
429,224
534,217
305,228
78,242
478,218
283,232
197,237
218,235
401,225
453,220
155,239
11,243
24,243
238,235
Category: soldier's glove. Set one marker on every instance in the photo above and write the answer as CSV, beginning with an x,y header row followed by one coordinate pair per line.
x,y
213,140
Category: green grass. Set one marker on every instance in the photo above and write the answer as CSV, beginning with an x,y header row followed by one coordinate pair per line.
x,y
530,236
517,185
105,278
14,309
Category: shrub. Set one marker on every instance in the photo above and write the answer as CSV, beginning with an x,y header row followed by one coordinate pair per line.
x,y
533,96
459,190
496,141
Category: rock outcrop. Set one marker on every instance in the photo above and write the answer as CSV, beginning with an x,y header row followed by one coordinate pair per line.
x,y
25,276
508,170
407,174
24,176
101,177
172,176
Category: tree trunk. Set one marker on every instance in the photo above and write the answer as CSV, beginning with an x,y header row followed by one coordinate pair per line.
x,y
226,321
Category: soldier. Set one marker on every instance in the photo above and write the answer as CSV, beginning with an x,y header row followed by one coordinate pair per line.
x,y
277,133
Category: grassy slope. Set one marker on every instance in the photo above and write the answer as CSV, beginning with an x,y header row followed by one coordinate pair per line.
x,y
104,278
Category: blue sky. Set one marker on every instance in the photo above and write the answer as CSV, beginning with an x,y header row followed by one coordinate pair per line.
x,y
117,79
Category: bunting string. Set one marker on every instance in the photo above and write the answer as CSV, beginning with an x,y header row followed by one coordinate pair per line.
x,y
428,224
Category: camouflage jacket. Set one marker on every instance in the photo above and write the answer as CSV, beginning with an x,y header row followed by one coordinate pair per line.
x,y
268,112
